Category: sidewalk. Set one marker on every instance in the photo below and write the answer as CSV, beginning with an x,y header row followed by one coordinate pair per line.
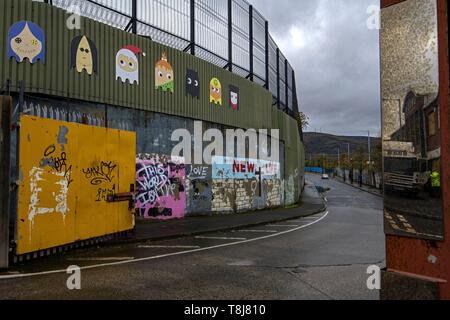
x,y
312,203
364,188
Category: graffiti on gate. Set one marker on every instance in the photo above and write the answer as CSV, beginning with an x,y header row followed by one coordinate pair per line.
x,y
102,176
160,188
98,174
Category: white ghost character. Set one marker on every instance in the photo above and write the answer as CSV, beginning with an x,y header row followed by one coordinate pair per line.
x,y
127,64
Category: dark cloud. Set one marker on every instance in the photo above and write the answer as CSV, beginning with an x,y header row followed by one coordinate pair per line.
x,y
336,59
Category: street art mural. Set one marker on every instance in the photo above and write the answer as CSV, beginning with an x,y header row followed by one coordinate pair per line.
x,y
192,84
234,98
164,75
83,55
239,168
215,91
160,187
245,184
127,64
199,189
26,40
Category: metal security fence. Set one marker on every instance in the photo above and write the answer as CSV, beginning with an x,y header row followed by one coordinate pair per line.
x,y
231,34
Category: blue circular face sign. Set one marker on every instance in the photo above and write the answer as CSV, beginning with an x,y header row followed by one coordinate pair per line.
x,y
26,40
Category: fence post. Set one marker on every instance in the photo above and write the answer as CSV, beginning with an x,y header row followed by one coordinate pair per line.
x,y
192,18
5,161
267,55
230,35
251,42
278,78
134,16
286,87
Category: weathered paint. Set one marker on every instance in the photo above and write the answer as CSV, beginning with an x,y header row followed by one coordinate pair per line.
x,y
160,187
69,170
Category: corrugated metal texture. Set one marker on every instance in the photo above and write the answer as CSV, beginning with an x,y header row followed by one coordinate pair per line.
x,y
55,78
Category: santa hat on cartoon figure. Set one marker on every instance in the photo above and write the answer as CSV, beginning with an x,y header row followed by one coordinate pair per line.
x,y
132,49
131,52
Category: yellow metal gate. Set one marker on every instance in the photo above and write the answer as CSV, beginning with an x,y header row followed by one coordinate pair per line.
x,y
67,172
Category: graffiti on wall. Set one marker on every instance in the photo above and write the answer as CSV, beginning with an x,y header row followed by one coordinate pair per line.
x,y
215,91
83,55
290,188
127,64
245,184
238,168
164,75
160,187
26,40
199,191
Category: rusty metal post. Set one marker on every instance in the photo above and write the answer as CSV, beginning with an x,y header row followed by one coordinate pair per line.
x,y
5,160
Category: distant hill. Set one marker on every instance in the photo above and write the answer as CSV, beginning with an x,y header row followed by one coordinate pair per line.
x,y
322,143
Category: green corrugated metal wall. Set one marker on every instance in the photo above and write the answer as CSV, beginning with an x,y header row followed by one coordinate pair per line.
x,y
55,78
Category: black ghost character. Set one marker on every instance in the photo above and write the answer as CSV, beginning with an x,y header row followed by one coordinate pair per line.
x,y
234,97
192,84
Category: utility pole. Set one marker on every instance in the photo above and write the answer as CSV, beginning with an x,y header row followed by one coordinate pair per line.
x,y
370,151
339,157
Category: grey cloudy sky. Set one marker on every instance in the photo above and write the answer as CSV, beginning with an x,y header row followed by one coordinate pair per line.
x,y
336,59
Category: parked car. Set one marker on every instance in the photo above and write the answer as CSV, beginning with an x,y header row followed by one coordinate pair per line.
x,y
325,176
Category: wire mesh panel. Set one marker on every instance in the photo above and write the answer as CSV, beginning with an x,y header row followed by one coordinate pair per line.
x,y
211,26
290,84
282,80
241,35
115,13
169,22
153,17
259,47
273,66
162,37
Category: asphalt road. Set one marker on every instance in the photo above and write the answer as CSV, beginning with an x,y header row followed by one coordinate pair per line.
x,y
320,257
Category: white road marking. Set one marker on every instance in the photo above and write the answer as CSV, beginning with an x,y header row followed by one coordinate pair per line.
x,y
169,247
102,259
113,264
219,238
283,225
258,231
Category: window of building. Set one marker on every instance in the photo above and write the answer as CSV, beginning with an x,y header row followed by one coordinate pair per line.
x,y
431,119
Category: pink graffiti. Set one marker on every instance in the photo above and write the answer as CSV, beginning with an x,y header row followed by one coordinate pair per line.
x,y
160,190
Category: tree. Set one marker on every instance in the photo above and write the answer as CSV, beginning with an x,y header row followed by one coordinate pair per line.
x,y
303,121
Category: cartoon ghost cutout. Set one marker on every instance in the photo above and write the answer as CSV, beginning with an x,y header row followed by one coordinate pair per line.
x,y
127,64
26,40
234,97
215,94
192,84
164,76
83,55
